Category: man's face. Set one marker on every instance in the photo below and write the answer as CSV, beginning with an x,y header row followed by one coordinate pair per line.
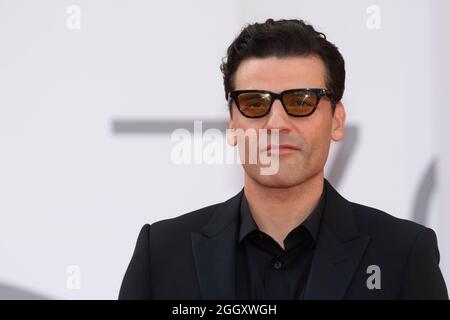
x,y
312,135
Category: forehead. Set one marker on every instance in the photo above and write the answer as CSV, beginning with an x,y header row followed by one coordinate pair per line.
x,y
278,74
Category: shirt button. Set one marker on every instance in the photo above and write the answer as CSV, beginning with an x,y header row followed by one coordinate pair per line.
x,y
277,265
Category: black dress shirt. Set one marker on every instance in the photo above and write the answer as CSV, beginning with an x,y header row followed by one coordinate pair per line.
x,y
263,269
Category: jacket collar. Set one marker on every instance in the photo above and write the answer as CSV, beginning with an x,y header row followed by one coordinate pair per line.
x,y
336,257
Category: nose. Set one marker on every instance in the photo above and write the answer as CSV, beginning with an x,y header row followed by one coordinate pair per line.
x,y
278,118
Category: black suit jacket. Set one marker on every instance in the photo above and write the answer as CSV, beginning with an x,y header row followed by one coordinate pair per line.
x,y
193,256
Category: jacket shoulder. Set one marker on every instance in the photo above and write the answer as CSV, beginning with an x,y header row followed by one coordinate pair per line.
x,y
376,222
407,252
191,221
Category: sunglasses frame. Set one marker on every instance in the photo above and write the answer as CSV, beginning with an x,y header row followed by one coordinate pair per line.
x,y
319,92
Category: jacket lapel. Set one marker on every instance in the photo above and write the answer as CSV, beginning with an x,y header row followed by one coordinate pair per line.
x,y
337,255
338,252
214,250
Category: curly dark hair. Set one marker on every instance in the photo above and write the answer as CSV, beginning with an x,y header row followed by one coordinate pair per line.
x,y
284,38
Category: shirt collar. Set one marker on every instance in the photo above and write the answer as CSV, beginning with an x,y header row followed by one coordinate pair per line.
x,y
312,222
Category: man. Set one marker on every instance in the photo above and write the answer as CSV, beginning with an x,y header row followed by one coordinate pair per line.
x,y
288,235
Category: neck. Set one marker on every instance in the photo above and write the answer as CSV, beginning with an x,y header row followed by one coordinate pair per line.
x,y
277,211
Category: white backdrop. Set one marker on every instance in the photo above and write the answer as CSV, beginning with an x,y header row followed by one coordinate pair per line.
x,y
84,85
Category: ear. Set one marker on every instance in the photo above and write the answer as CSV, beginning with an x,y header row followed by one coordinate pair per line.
x,y
231,136
338,122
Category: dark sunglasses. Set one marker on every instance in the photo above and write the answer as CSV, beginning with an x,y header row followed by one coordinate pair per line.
x,y
296,102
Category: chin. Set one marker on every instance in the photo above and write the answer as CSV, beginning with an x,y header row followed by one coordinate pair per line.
x,y
278,180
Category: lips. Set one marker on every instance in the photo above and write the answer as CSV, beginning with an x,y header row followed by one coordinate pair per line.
x,y
281,149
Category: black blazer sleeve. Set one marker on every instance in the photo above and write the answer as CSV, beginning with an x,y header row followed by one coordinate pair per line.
x,y
136,283
423,278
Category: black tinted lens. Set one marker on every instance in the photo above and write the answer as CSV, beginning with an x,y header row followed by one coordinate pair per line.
x,y
254,104
300,103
